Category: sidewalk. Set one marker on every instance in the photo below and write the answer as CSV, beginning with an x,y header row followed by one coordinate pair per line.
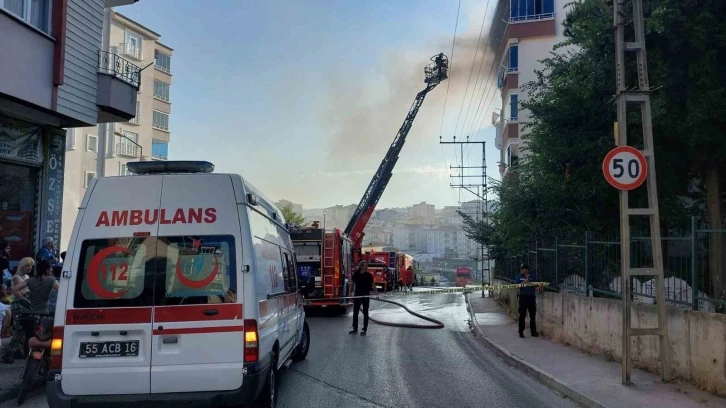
x,y
586,379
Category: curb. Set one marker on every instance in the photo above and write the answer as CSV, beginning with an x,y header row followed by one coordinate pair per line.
x,y
538,374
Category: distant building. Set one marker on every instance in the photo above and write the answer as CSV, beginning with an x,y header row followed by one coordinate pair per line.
x,y
422,211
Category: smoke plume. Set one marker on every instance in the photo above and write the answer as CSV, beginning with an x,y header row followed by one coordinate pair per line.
x,y
366,108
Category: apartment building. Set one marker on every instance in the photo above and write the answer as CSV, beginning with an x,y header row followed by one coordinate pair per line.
x,y
54,76
523,32
104,150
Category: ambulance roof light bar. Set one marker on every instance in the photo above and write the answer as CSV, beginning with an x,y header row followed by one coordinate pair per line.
x,y
161,167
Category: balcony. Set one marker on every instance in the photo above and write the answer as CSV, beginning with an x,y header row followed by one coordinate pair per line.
x,y
128,149
135,120
118,84
131,50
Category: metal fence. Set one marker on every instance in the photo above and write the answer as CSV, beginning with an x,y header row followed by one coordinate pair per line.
x,y
694,262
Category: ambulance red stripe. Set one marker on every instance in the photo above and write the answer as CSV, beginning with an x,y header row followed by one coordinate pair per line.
x,y
126,315
198,330
196,313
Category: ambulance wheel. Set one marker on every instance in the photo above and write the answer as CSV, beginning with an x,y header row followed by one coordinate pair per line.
x,y
301,351
268,396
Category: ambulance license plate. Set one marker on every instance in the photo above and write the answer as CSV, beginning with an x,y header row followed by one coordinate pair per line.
x,y
110,349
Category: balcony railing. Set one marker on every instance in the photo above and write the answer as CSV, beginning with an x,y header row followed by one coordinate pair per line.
x,y
130,50
119,67
530,17
127,149
159,156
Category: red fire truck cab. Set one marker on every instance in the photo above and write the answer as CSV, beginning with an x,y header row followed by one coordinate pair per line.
x,y
324,265
384,267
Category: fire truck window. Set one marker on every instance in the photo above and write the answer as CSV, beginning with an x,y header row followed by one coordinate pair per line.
x,y
290,278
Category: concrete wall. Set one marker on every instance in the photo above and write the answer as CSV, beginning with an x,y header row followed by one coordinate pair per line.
x,y
696,341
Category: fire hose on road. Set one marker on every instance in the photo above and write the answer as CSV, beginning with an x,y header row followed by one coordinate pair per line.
x,y
437,324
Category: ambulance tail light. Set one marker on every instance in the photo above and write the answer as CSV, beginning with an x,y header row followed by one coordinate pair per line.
x,y
252,345
56,349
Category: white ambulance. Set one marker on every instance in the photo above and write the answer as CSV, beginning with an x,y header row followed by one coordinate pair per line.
x,y
178,288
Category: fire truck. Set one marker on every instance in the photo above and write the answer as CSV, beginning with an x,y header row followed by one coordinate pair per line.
x,y
324,262
464,276
387,269
324,257
406,269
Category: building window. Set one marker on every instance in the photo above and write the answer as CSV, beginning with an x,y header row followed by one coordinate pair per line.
x,y
514,107
513,58
34,12
161,90
71,140
91,143
161,120
521,10
135,119
132,47
123,170
159,149
162,61
89,176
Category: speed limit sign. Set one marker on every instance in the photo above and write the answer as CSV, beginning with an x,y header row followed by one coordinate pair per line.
x,y
625,168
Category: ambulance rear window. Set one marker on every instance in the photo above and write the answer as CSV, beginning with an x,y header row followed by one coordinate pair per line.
x,y
197,270
147,271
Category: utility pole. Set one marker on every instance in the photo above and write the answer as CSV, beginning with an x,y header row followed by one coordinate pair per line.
x,y
465,183
638,95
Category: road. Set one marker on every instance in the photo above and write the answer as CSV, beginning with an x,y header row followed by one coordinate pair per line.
x,y
402,368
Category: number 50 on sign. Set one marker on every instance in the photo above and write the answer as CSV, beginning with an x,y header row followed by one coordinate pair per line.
x,y
625,168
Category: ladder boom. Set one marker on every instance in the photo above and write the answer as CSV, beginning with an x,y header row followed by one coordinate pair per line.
x,y
435,73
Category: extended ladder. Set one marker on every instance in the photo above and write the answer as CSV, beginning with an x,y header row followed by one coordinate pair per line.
x,y
640,96
329,278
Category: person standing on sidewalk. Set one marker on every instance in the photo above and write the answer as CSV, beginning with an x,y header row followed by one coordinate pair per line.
x,y
527,301
362,285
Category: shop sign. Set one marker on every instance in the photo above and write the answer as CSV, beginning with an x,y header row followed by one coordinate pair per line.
x,y
20,141
53,188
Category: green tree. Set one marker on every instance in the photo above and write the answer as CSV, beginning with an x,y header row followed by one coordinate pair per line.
x,y
559,189
291,216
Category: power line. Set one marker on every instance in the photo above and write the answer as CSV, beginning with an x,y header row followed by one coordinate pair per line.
x,y
471,70
451,70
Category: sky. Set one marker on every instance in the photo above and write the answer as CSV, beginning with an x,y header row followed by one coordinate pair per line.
x,y
303,98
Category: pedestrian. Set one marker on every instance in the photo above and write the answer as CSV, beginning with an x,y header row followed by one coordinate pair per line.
x,y
40,287
5,264
362,285
15,347
46,252
527,301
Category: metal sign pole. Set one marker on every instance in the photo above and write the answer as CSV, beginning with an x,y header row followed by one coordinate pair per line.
x,y
641,96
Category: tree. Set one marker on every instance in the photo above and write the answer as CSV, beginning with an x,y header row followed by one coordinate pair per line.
x,y
291,216
559,188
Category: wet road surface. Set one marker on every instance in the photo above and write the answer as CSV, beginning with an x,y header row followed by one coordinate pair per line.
x,y
401,368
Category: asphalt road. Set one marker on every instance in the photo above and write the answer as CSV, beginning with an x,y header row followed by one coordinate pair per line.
x,y
401,368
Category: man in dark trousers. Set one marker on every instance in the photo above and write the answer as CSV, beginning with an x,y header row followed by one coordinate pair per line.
x,y
362,285
527,301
